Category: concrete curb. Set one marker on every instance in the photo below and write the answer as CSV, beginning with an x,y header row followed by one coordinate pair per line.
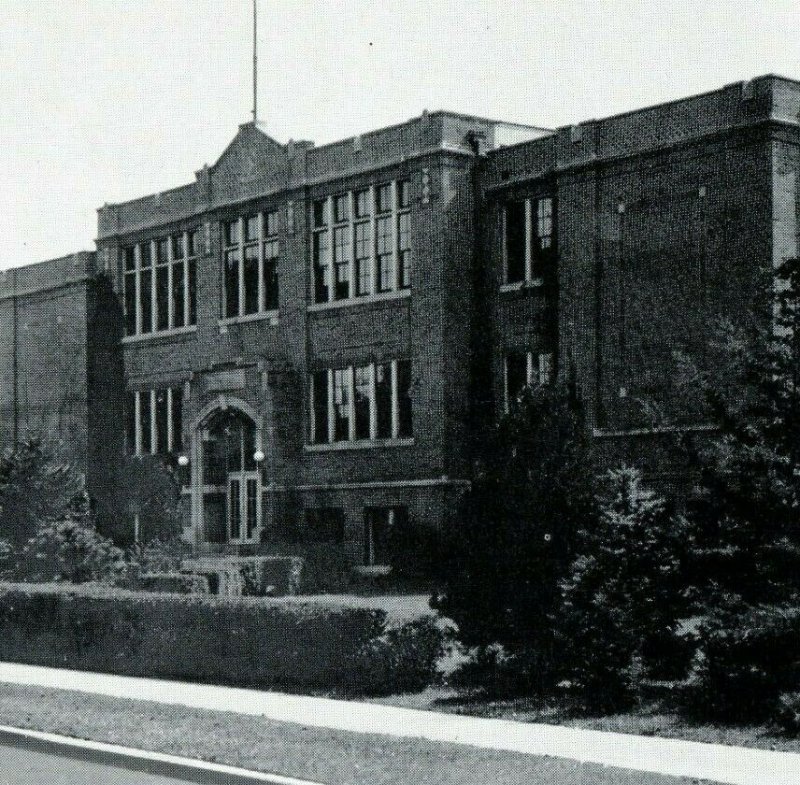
x,y
196,771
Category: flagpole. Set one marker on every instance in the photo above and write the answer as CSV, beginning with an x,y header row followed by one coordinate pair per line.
x,y
255,61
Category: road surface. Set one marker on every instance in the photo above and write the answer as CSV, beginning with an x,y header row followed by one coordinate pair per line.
x,y
19,766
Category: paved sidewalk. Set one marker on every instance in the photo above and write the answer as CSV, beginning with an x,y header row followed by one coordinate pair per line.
x,y
714,762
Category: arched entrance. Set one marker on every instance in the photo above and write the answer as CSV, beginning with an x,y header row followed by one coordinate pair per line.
x,y
227,503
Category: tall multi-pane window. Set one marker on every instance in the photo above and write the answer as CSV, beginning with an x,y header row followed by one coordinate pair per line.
x,y
154,421
129,284
321,250
363,250
146,287
250,255
160,284
361,403
361,242
404,234
528,240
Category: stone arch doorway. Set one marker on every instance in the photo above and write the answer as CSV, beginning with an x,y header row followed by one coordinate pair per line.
x,y
226,475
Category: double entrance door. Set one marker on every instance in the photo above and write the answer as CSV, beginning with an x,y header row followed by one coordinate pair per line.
x,y
244,506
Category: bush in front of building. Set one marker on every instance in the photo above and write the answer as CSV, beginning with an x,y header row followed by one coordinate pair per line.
x,y
750,656
268,576
531,493
35,488
625,593
404,658
250,642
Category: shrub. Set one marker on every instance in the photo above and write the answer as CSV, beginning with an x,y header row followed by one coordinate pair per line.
x,y
271,575
497,673
403,659
160,555
787,716
750,656
253,642
34,488
513,544
172,582
625,592
69,550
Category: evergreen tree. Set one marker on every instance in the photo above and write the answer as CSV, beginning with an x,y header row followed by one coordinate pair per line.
x,y
533,487
625,590
748,510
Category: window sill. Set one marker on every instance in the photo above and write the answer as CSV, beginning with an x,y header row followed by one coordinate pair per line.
x,y
518,286
398,294
192,328
372,570
364,444
270,316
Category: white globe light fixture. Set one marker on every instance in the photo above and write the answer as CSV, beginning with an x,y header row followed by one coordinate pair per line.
x,y
183,460
258,456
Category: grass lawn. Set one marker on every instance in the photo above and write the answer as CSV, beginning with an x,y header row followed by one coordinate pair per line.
x,y
257,743
655,717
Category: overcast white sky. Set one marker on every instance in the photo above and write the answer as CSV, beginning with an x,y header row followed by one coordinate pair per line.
x,y
107,100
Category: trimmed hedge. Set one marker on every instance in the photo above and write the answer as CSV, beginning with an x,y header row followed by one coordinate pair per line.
x,y
172,582
249,642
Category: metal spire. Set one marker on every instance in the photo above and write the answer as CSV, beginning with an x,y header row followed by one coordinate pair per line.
x,y
255,61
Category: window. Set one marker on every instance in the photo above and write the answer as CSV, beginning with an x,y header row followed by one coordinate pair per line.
x,y
361,242
361,404
528,240
154,421
250,265
342,414
525,369
160,283
384,529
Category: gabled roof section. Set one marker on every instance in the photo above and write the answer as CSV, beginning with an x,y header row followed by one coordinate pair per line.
x,y
252,162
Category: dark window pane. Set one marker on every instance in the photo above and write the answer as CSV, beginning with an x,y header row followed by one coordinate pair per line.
x,y
341,405
251,229
177,246
363,259
145,420
162,297
383,228
147,301
320,404
341,258
383,198
404,246
231,273
381,525
404,398
271,251
363,206
162,419
177,419
194,242
341,208
404,193
271,224
235,508
192,291
178,289
145,255
162,251
232,232
130,303
130,422
383,399
321,217
322,261
251,279
130,259
515,242
362,401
